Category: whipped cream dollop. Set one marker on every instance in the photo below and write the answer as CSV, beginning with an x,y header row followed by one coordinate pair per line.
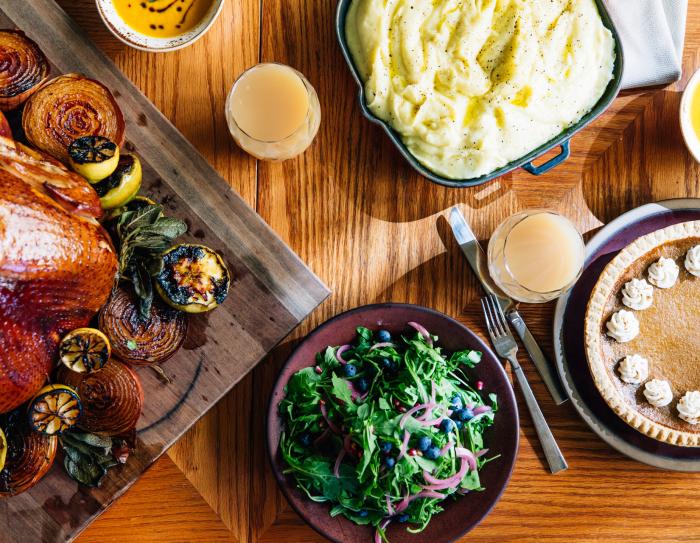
x,y
689,407
623,326
692,261
633,369
658,393
637,294
663,273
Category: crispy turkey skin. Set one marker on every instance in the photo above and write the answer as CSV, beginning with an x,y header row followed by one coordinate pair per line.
x,y
57,265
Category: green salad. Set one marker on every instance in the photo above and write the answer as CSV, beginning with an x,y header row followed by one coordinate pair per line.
x,y
387,429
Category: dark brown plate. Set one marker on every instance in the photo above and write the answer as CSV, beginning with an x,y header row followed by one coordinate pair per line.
x,y
568,337
460,515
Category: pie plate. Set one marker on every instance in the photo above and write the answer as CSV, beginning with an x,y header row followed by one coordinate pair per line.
x,y
569,338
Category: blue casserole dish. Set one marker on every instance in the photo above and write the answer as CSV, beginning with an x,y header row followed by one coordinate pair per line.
x,y
526,162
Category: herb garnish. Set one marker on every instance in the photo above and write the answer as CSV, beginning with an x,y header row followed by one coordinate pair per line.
x,y
87,457
385,431
143,235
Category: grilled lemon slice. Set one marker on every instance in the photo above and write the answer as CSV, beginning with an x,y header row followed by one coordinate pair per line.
x,y
93,157
54,410
85,350
194,278
3,449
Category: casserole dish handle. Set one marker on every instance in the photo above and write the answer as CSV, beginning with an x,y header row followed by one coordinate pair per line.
x,y
564,152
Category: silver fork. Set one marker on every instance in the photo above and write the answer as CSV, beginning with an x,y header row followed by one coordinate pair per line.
x,y
506,347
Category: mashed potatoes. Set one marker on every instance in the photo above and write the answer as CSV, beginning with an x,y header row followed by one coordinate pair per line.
x,y
471,85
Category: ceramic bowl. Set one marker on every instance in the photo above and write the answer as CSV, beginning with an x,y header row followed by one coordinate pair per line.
x,y
131,37
460,515
692,140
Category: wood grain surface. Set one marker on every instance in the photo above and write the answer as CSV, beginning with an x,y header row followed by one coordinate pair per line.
x,y
375,231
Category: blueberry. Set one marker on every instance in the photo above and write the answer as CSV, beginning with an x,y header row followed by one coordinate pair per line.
x,y
403,518
389,462
305,439
387,364
465,414
383,336
432,453
385,447
456,402
362,385
363,513
447,425
424,443
350,370
459,424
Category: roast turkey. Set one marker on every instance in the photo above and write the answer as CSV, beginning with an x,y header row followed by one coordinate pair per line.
x,y
57,265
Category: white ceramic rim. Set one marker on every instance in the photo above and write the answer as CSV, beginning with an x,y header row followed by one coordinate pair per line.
x,y
593,422
692,140
124,33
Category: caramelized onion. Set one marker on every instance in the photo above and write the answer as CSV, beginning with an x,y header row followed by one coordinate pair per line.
x,y
29,454
139,342
23,68
5,130
70,107
112,398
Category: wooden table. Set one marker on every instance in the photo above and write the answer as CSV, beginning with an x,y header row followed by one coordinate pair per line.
x,y
374,230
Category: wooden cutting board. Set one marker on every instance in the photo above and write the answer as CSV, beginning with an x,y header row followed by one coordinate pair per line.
x,y
271,293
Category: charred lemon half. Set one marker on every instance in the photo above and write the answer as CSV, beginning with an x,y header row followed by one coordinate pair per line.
x,y
93,157
54,410
194,278
3,449
120,187
85,350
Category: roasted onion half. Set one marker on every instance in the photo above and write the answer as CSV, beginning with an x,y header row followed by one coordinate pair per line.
x,y
141,342
23,68
29,454
67,108
112,398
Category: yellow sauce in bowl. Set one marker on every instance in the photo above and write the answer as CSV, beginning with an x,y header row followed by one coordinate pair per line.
x,y
162,18
695,111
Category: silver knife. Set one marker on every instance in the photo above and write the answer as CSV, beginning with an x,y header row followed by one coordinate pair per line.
x,y
477,260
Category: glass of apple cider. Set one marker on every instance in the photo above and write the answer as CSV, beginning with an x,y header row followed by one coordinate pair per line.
x,y
273,112
536,256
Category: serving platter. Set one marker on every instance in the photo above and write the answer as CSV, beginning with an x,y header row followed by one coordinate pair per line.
x,y
568,337
461,515
271,293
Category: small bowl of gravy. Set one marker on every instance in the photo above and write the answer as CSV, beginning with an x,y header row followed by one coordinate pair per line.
x,y
159,25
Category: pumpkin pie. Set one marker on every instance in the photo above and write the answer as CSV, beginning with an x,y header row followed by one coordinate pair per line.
x,y
642,334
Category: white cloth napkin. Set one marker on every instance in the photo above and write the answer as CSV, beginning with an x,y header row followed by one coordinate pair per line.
x,y
652,33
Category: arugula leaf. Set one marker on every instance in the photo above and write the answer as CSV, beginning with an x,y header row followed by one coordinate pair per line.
x,y
341,390
329,361
364,411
